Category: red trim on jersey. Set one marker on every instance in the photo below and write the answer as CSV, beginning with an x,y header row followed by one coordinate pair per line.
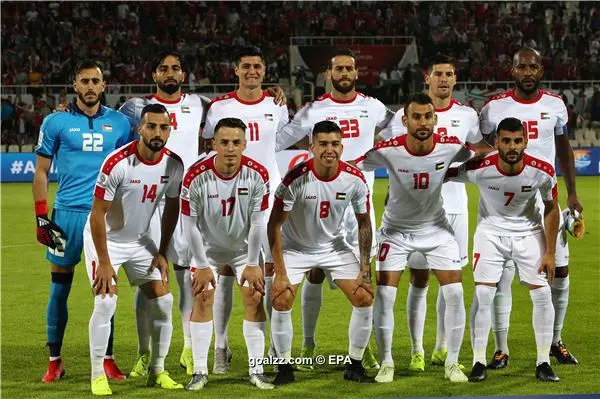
x,y
99,192
555,192
329,96
311,166
197,169
497,97
475,164
264,95
145,162
294,173
346,167
221,98
212,165
173,155
539,164
125,152
509,174
452,102
264,205
185,207
252,164
162,100
405,144
278,203
535,100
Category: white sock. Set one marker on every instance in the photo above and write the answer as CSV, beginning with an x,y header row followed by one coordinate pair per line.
x,y
143,321
416,309
383,317
268,303
99,330
282,331
502,307
481,321
162,329
542,319
186,303
454,319
440,336
312,297
254,335
222,309
359,331
201,336
560,300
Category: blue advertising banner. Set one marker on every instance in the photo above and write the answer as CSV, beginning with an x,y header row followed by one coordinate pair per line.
x,y
20,167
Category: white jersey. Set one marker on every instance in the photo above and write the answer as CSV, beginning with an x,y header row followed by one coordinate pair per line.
x,y
507,203
357,118
456,120
542,118
415,201
135,188
316,207
223,206
186,115
263,118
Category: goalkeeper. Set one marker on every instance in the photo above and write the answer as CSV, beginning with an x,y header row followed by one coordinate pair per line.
x,y
77,141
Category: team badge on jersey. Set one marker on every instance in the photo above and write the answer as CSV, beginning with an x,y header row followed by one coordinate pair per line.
x,y
525,189
269,117
439,166
340,196
455,123
544,116
242,191
107,127
364,113
164,179
185,110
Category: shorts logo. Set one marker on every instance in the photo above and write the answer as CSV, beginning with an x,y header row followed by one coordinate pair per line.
x,y
340,196
107,127
242,191
439,166
525,189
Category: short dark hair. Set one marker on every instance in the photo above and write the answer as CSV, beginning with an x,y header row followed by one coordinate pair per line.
x,y
153,109
87,64
326,127
233,123
340,52
510,125
441,59
419,98
249,51
160,57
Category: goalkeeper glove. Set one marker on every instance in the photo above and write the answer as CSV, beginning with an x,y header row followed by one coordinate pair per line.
x,y
47,232
574,223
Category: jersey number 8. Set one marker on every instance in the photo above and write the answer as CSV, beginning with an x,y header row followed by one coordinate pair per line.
x,y
92,142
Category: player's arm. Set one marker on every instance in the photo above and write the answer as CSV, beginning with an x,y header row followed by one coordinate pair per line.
x,y
276,220
372,160
551,220
104,270
278,94
293,132
564,153
365,239
481,148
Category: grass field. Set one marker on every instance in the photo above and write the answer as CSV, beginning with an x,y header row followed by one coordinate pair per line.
x,y
25,285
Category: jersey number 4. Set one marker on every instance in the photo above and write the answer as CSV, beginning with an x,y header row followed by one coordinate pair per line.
x,y
173,120
149,193
92,142
349,128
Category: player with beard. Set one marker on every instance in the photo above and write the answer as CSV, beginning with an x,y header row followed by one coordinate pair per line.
x,y
454,119
544,117
511,228
359,117
130,186
77,141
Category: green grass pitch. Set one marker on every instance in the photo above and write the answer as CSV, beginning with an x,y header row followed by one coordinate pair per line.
x,y
25,286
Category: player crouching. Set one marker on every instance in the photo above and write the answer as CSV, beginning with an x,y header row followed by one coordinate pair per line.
x,y
309,205
223,200
131,184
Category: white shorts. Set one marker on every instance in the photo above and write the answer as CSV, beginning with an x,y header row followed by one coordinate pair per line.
x,y
336,265
490,252
178,250
460,226
437,244
217,260
135,257
351,227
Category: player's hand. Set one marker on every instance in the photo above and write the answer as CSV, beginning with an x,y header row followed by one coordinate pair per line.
x,y
102,285
202,280
573,203
49,234
548,265
281,283
62,107
254,276
279,94
364,281
160,262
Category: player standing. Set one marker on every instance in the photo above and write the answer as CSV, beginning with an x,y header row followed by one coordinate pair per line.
x,y
453,119
130,186
223,200
263,117
359,117
414,221
511,227
78,141
544,118
310,205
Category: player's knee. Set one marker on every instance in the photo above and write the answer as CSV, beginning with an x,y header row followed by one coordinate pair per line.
x,y
361,299
315,276
419,277
106,306
203,302
283,302
561,272
226,271
269,269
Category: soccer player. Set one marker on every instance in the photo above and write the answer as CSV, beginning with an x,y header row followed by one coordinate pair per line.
x,y
186,115
130,186
359,117
453,119
77,141
310,205
223,200
414,221
263,117
544,118
511,228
